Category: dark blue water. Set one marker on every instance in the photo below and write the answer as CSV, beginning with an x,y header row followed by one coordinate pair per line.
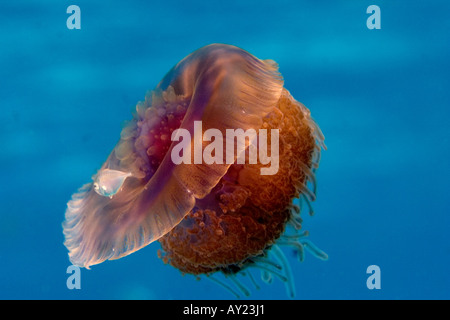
x,y
381,97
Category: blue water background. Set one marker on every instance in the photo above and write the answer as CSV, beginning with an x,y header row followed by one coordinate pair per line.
x,y
381,97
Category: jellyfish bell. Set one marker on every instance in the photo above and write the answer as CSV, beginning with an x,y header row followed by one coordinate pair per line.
x,y
208,217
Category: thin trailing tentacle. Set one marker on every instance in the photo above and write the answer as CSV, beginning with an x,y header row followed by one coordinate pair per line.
x,y
238,284
249,274
295,240
317,133
296,209
316,158
223,285
300,244
308,203
310,176
314,250
307,193
266,276
296,220
296,244
287,270
271,271
295,223
259,260
295,236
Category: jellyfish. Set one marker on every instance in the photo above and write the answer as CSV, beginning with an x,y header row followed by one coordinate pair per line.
x,y
209,218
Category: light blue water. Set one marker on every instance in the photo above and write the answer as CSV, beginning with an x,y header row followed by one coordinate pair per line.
x,y
381,97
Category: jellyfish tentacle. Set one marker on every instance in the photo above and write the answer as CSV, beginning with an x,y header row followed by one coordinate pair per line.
x,y
267,266
266,276
310,176
316,158
278,274
320,138
314,250
296,244
249,274
287,270
307,200
295,219
223,285
307,193
239,284
295,222
295,236
300,243
260,260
